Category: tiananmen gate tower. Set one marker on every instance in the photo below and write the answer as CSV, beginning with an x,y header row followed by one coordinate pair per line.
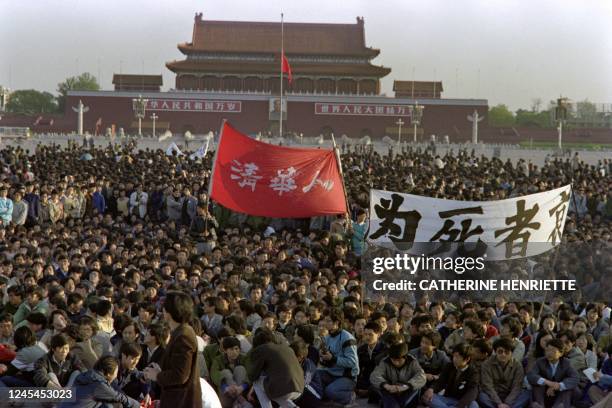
x,y
231,70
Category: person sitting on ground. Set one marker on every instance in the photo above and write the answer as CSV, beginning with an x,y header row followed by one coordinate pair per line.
x,y
458,380
313,388
602,389
130,380
154,344
228,373
429,357
93,387
553,378
20,372
501,379
339,358
398,378
57,368
368,356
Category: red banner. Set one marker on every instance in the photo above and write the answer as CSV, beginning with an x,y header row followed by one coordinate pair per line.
x,y
272,181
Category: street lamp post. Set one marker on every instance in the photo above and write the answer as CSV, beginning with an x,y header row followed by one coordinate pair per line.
x,y
416,114
154,117
139,105
560,117
399,123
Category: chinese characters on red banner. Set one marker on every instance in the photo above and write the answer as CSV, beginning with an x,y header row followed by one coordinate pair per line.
x,y
361,109
193,105
272,181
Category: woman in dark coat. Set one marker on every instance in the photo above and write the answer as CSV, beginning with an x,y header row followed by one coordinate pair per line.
x,y
178,375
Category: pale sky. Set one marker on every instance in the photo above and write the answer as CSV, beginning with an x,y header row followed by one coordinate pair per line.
x,y
506,51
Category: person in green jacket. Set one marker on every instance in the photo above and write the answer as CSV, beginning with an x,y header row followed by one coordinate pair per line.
x,y
229,374
33,303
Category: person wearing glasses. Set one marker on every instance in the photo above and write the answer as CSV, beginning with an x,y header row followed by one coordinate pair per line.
x,y
501,378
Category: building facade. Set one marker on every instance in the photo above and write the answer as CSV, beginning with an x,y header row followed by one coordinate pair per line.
x,y
240,56
231,70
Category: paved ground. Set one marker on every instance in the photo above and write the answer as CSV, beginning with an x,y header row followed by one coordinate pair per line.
x,y
504,152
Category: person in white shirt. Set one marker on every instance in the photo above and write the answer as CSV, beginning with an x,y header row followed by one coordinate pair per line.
x,y
138,202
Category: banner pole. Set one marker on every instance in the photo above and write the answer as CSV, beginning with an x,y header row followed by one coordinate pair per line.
x,y
280,122
212,174
339,164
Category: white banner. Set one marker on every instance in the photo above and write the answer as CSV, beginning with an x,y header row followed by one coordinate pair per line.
x,y
173,148
201,152
504,229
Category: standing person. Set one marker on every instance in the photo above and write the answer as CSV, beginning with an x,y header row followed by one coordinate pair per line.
x,y
138,202
6,208
33,201
188,207
56,208
178,375
98,201
174,205
20,210
357,231
71,204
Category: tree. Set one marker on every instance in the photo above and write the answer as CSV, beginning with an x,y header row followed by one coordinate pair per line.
x,y
586,109
83,82
525,118
500,115
30,102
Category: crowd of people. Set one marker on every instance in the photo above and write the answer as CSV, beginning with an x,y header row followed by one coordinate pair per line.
x,y
120,279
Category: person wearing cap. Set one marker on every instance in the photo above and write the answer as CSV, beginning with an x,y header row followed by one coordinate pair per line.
x,y
398,378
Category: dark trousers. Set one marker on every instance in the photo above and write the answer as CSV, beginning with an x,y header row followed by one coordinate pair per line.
x,y
561,399
402,400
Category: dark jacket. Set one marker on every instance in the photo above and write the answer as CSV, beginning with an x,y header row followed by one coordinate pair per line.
x,y
33,201
502,384
367,363
146,359
47,365
435,364
461,386
131,384
278,363
179,378
565,373
99,203
92,390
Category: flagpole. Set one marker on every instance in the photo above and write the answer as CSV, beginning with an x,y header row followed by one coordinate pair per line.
x,y
280,123
212,170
